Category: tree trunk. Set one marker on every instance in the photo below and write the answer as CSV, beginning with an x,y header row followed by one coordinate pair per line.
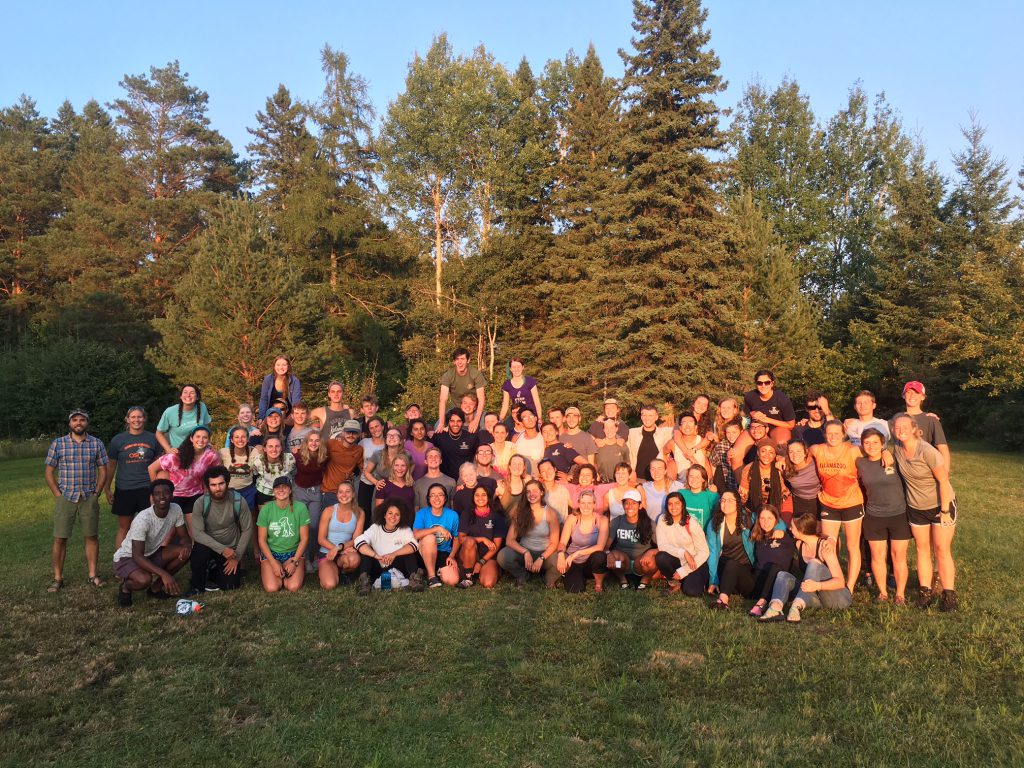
x,y
438,222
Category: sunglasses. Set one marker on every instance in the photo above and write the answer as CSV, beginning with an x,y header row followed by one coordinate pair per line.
x,y
765,383
813,407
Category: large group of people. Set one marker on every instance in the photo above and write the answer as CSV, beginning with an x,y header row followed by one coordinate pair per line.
x,y
736,501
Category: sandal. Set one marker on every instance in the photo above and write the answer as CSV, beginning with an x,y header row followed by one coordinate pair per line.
x,y
757,611
96,581
793,617
55,586
771,614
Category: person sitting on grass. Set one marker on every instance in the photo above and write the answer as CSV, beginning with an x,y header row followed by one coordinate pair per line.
x,y
436,529
824,584
222,529
682,549
481,533
581,550
773,554
283,533
389,544
143,561
340,525
631,537
532,538
731,555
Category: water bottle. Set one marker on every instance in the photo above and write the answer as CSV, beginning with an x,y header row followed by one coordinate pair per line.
x,y
385,580
188,607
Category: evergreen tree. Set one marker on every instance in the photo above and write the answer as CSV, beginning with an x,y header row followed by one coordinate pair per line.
x,y
670,322
281,149
240,303
29,202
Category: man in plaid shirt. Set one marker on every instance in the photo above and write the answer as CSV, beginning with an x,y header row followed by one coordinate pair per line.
x,y
80,461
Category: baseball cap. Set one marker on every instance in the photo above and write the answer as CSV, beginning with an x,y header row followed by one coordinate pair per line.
x,y
283,480
572,409
78,412
913,386
352,426
632,495
278,411
766,441
610,401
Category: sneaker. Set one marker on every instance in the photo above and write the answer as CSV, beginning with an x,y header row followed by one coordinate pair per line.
x,y
124,599
465,583
924,599
434,582
212,587
363,586
417,582
947,602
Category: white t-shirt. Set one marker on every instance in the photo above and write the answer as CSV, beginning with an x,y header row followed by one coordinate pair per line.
x,y
149,528
386,542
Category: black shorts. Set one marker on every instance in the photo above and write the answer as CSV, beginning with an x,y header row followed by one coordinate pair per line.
x,y
895,528
185,502
922,517
803,506
130,501
844,515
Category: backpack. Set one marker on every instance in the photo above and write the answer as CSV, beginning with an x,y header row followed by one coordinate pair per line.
x,y
236,504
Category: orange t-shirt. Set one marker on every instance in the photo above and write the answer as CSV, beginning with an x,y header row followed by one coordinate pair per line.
x,y
837,469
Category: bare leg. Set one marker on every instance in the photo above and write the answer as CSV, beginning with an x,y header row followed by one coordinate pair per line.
x,y
739,449
293,583
922,540
328,571
852,530
60,551
428,551
124,522
878,549
943,538
271,582
490,574
899,566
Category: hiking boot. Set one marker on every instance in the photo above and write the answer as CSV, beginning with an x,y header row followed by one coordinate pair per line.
x,y
363,586
418,581
924,599
947,603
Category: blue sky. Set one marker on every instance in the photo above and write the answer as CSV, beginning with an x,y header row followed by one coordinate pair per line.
x,y
936,60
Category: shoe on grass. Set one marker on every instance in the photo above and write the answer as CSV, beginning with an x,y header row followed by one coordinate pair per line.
x,y
924,599
757,611
947,602
124,599
465,583
793,617
363,586
435,581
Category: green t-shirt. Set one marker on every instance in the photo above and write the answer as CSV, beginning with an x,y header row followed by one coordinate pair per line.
x,y
283,525
462,385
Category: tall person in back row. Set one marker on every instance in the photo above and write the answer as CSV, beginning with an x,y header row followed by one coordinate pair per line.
x,y
769,406
462,379
178,421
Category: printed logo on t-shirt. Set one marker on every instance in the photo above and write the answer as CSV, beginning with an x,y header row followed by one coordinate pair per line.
x,y
774,411
464,446
282,528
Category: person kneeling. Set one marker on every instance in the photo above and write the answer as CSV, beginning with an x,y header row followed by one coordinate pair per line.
x,y
283,532
481,533
633,552
389,544
222,528
824,584
340,525
143,561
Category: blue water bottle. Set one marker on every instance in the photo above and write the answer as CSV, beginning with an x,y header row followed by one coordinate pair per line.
x,y
385,580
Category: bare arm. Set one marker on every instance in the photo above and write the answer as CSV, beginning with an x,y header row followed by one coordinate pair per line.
x,y
51,480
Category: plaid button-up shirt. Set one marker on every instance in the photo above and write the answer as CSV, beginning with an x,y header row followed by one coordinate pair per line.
x,y
76,464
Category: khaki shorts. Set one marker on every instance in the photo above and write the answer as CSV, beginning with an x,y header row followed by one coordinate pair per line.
x,y
86,510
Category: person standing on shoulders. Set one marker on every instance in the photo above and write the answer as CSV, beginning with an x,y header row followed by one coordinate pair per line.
x,y
929,424
279,384
769,406
610,411
131,453
76,471
518,389
178,421
460,379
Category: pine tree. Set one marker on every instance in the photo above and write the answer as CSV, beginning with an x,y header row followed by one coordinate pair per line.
x,y
240,303
282,147
670,314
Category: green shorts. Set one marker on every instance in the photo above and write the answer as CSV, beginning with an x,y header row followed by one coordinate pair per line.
x,y
86,509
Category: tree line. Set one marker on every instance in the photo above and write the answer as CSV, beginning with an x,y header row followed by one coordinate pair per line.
x,y
612,231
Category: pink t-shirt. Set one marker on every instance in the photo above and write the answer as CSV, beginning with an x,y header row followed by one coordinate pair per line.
x,y
189,482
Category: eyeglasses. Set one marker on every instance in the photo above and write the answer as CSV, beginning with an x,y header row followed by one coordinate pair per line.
x,y
765,383
813,407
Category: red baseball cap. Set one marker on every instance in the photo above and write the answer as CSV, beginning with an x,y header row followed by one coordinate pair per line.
x,y
915,386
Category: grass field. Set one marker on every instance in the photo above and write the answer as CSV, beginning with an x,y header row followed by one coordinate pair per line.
x,y
511,677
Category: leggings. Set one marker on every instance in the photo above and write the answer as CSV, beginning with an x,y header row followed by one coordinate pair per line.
x,y
735,578
764,580
694,584
575,578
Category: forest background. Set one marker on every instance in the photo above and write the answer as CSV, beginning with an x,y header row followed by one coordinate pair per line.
x,y
626,236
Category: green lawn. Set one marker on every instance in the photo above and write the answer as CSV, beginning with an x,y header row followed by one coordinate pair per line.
x,y
510,677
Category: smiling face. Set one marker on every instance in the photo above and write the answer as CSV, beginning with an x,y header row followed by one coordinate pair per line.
x,y
273,422
500,433
437,497
572,419
136,420
461,363
834,435
399,467
245,414
335,393
484,455
766,455
281,366
674,506
161,497
345,494
872,445
587,504
657,470
648,417
189,395
701,405
797,454
694,480
282,494
622,475
864,405
376,428
393,438
586,476
239,438
433,459
549,433
467,475
392,517
299,416
272,448
534,493
547,472
529,419
688,426
516,368
766,520
418,431
480,499
611,428
455,422
313,442
729,503
904,429
728,409
200,440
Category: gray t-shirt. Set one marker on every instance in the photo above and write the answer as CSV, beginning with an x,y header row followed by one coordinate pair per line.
x,y
333,423
462,385
133,455
296,437
218,529
606,459
421,486
922,487
884,495
931,428
151,530
582,442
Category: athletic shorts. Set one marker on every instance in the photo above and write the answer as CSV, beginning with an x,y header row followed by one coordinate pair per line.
x,y
281,557
633,564
126,566
894,527
802,506
130,501
186,502
86,510
922,517
844,515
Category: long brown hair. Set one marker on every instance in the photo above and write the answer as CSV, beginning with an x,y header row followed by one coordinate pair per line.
x,y
522,515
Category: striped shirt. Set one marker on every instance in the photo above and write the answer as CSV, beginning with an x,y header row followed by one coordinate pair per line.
x,y
76,464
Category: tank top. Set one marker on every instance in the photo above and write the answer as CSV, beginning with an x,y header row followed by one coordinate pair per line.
x,y
536,540
337,532
333,422
579,540
805,483
839,486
